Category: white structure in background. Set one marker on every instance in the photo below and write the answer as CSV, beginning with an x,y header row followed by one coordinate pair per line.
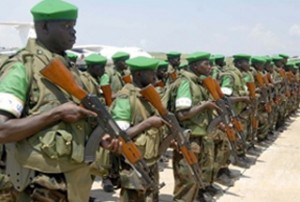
x,y
26,30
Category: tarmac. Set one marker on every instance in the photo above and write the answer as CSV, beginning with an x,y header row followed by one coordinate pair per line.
x,y
274,176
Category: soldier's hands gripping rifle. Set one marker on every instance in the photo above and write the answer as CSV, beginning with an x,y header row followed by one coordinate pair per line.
x,y
153,97
59,75
226,104
225,116
262,85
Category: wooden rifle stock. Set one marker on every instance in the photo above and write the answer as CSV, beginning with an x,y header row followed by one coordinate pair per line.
x,y
59,74
251,88
153,97
127,79
210,85
173,75
107,92
260,79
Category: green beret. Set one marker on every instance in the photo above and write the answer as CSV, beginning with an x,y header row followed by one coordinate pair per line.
x,y
162,63
219,57
297,62
258,60
268,58
54,10
284,56
72,56
290,64
183,65
241,57
95,59
212,58
277,58
142,63
173,54
197,56
120,56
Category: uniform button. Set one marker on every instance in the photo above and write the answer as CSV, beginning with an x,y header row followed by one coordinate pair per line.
x,y
79,127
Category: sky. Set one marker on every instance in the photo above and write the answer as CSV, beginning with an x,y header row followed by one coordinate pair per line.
x,y
256,27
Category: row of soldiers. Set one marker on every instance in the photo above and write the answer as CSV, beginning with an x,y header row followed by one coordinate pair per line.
x,y
184,90
52,115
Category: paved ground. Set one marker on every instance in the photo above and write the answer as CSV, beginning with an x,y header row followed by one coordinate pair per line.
x,y
274,177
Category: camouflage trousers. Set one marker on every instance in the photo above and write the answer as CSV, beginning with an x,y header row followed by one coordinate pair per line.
x,y
134,192
263,123
221,152
186,189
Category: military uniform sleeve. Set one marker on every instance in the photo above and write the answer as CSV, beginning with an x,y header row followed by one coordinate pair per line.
x,y
13,90
227,84
184,96
121,113
104,80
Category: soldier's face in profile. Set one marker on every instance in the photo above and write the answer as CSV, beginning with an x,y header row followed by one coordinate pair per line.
x,y
174,61
204,67
61,33
245,65
147,77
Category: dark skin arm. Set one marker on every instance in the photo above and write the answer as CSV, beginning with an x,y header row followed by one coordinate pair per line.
x,y
153,121
13,130
190,113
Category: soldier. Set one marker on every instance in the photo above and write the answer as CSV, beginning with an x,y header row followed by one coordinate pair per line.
x,y
264,118
135,115
191,105
47,125
233,85
113,76
173,58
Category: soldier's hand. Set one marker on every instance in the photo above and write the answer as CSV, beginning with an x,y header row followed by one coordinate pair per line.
x,y
113,145
70,112
156,122
216,107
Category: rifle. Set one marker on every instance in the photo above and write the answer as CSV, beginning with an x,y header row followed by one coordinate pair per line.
x,y
107,93
225,117
59,75
159,83
127,78
153,97
173,75
261,82
253,118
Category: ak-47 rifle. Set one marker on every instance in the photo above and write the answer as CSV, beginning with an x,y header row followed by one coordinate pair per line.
x,y
225,117
59,75
176,131
262,85
107,93
253,117
127,78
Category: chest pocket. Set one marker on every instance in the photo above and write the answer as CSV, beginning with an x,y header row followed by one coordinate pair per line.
x,y
148,142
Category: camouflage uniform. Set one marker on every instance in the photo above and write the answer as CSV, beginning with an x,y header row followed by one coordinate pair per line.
x,y
129,109
57,150
188,93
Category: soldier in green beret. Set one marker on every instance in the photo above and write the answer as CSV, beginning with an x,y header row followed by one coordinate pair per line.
x,y
135,115
173,58
233,84
280,77
113,76
265,115
46,127
189,101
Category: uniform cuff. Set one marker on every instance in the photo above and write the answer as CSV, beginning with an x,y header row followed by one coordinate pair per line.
x,y
11,103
